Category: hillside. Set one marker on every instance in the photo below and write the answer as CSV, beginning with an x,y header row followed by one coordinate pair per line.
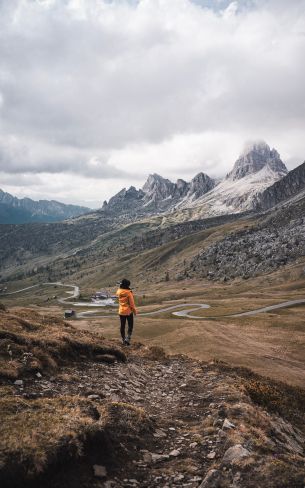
x,y
27,247
91,249
78,411
90,252
275,240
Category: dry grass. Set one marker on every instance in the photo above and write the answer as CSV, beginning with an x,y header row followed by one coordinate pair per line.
x,y
38,434
275,396
34,432
271,344
276,443
31,343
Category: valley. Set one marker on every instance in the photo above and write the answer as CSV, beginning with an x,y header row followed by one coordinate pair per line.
x,y
271,343
211,391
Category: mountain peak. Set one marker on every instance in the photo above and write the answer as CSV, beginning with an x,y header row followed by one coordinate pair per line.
x,y
258,146
154,179
200,185
255,156
157,188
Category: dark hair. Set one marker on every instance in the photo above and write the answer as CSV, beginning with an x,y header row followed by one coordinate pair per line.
x,y
125,284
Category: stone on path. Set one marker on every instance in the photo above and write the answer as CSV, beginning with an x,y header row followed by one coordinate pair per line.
x,y
227,424
94,397
174,453
159,433
99,471
159,457
211,455
235,453
211,480
147,458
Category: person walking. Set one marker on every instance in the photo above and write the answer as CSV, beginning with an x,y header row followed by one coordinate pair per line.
x,y
126,309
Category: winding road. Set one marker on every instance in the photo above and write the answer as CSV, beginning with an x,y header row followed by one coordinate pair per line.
x,y
186,313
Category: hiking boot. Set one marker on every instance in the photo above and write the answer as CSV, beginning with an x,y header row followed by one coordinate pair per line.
x,y
127,340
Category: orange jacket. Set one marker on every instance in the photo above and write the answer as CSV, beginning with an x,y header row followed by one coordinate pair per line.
x,y
126,302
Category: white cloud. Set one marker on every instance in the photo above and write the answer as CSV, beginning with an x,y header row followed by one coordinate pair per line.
x,y
117,90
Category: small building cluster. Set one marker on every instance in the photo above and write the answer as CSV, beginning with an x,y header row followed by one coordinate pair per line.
x,y
102,295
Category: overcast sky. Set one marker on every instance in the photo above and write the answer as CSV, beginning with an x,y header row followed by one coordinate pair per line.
x,y
96,94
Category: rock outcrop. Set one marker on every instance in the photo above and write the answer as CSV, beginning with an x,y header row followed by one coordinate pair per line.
x,y
276,241
199,186
126,201
291,186
158,188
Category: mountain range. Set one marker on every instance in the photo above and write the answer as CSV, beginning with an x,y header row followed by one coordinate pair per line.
x,y
249,223
15,210
258,168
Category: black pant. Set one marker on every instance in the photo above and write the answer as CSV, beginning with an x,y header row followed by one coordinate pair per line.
x,y
129,319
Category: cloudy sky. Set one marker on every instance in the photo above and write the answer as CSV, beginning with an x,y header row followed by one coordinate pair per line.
x,y
96,94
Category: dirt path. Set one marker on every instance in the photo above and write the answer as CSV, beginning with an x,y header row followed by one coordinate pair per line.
x,y
174,400
188,405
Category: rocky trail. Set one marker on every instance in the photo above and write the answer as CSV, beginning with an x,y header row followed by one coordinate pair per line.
x,y
199,429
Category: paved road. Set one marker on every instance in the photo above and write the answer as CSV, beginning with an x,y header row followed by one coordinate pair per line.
x,y
186,313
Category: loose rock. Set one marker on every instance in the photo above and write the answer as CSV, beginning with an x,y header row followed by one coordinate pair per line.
x,y
211,480
235,453
99,471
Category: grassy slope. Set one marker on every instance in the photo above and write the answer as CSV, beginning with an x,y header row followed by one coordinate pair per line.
x,y
272,343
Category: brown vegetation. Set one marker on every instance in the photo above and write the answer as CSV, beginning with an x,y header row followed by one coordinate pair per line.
x,y
32,343
71,411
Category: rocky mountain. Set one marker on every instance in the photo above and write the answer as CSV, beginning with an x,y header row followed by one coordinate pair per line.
x,y
256,169
268,242
15,210
168,230
199,186
158,195
125,202
254,158
157,189
291,186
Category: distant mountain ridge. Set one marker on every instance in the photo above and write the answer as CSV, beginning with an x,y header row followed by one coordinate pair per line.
x,y
15,210
256,169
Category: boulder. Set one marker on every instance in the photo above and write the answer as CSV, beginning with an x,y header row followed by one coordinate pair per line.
x,y
235,453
